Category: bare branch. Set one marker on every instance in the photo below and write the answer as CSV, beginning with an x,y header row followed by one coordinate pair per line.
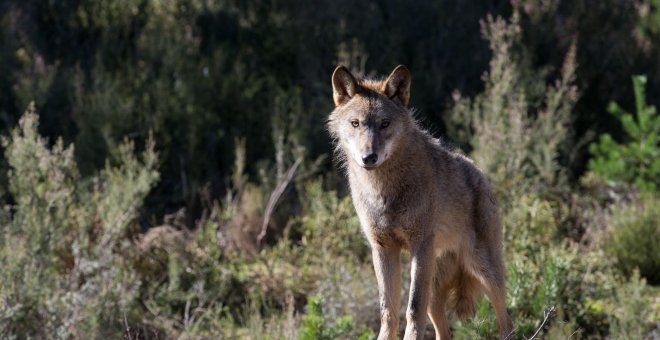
x,y
511,334
546,316
128,328
275,197
576,331
186,319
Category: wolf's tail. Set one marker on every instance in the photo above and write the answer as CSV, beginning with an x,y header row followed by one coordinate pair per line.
x,y
463,294
456,287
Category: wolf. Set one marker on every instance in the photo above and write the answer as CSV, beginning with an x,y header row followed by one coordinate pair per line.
x,y
413,194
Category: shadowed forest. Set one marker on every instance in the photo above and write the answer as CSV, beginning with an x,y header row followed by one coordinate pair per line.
x,y
165,169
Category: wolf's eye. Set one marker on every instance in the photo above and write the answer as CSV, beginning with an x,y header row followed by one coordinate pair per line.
x,y
384,124
355,123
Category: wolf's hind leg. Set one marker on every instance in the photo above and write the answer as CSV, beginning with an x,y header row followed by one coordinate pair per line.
x,y
497,296
487,264
489,271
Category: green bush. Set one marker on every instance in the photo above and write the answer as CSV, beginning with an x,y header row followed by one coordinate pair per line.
x,y
629,313
638,160
330,225
518,126
634,236
543,274
240,293
64,248
546,272
315,326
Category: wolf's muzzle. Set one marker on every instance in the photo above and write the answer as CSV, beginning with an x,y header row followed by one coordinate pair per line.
x,y
370,159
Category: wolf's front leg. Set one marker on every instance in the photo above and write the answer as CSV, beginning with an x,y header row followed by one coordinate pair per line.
x,y
388,273
421,275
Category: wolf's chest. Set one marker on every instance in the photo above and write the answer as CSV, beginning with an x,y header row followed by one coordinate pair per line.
x,y
379,210
383,218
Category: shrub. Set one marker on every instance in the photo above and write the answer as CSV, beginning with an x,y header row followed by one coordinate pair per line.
x,y
634,236
315,326
546,272
194,286
65,255
637,161
542,273
329,224
518,125
629,312
517,128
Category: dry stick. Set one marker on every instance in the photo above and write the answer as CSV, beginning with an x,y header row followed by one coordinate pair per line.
x,y
546,317
186,319
511,334
128,328
570,336
275,197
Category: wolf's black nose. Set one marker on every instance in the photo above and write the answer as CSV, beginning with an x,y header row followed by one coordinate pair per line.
x,y
370,159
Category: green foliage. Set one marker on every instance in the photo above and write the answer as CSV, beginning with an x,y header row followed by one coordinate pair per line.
x,y
197,273
331,225
634,236
315,326
637,161
649,14
201,74
541,272
235,93
66,259
519,111
629,313
547,273
518,130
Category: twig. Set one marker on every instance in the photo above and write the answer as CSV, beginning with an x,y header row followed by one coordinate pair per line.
x,y
128,328
511,334
275,197
200,310
546,317
576,331
186,319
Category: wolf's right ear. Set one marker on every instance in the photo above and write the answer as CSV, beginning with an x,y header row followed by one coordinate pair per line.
x,y
344,85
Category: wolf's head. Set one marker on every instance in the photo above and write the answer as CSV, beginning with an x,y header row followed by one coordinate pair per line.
x,y
370,116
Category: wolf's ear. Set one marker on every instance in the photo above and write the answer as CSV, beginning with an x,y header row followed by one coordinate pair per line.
x,y
397,85
344,85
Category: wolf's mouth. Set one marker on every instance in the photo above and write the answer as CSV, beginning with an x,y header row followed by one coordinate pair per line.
x,y
369,167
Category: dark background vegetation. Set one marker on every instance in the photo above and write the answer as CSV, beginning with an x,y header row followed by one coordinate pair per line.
x,y
202,74
234,92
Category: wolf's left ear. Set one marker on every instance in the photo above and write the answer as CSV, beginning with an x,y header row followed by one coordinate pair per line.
x,y
344,85
397,85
